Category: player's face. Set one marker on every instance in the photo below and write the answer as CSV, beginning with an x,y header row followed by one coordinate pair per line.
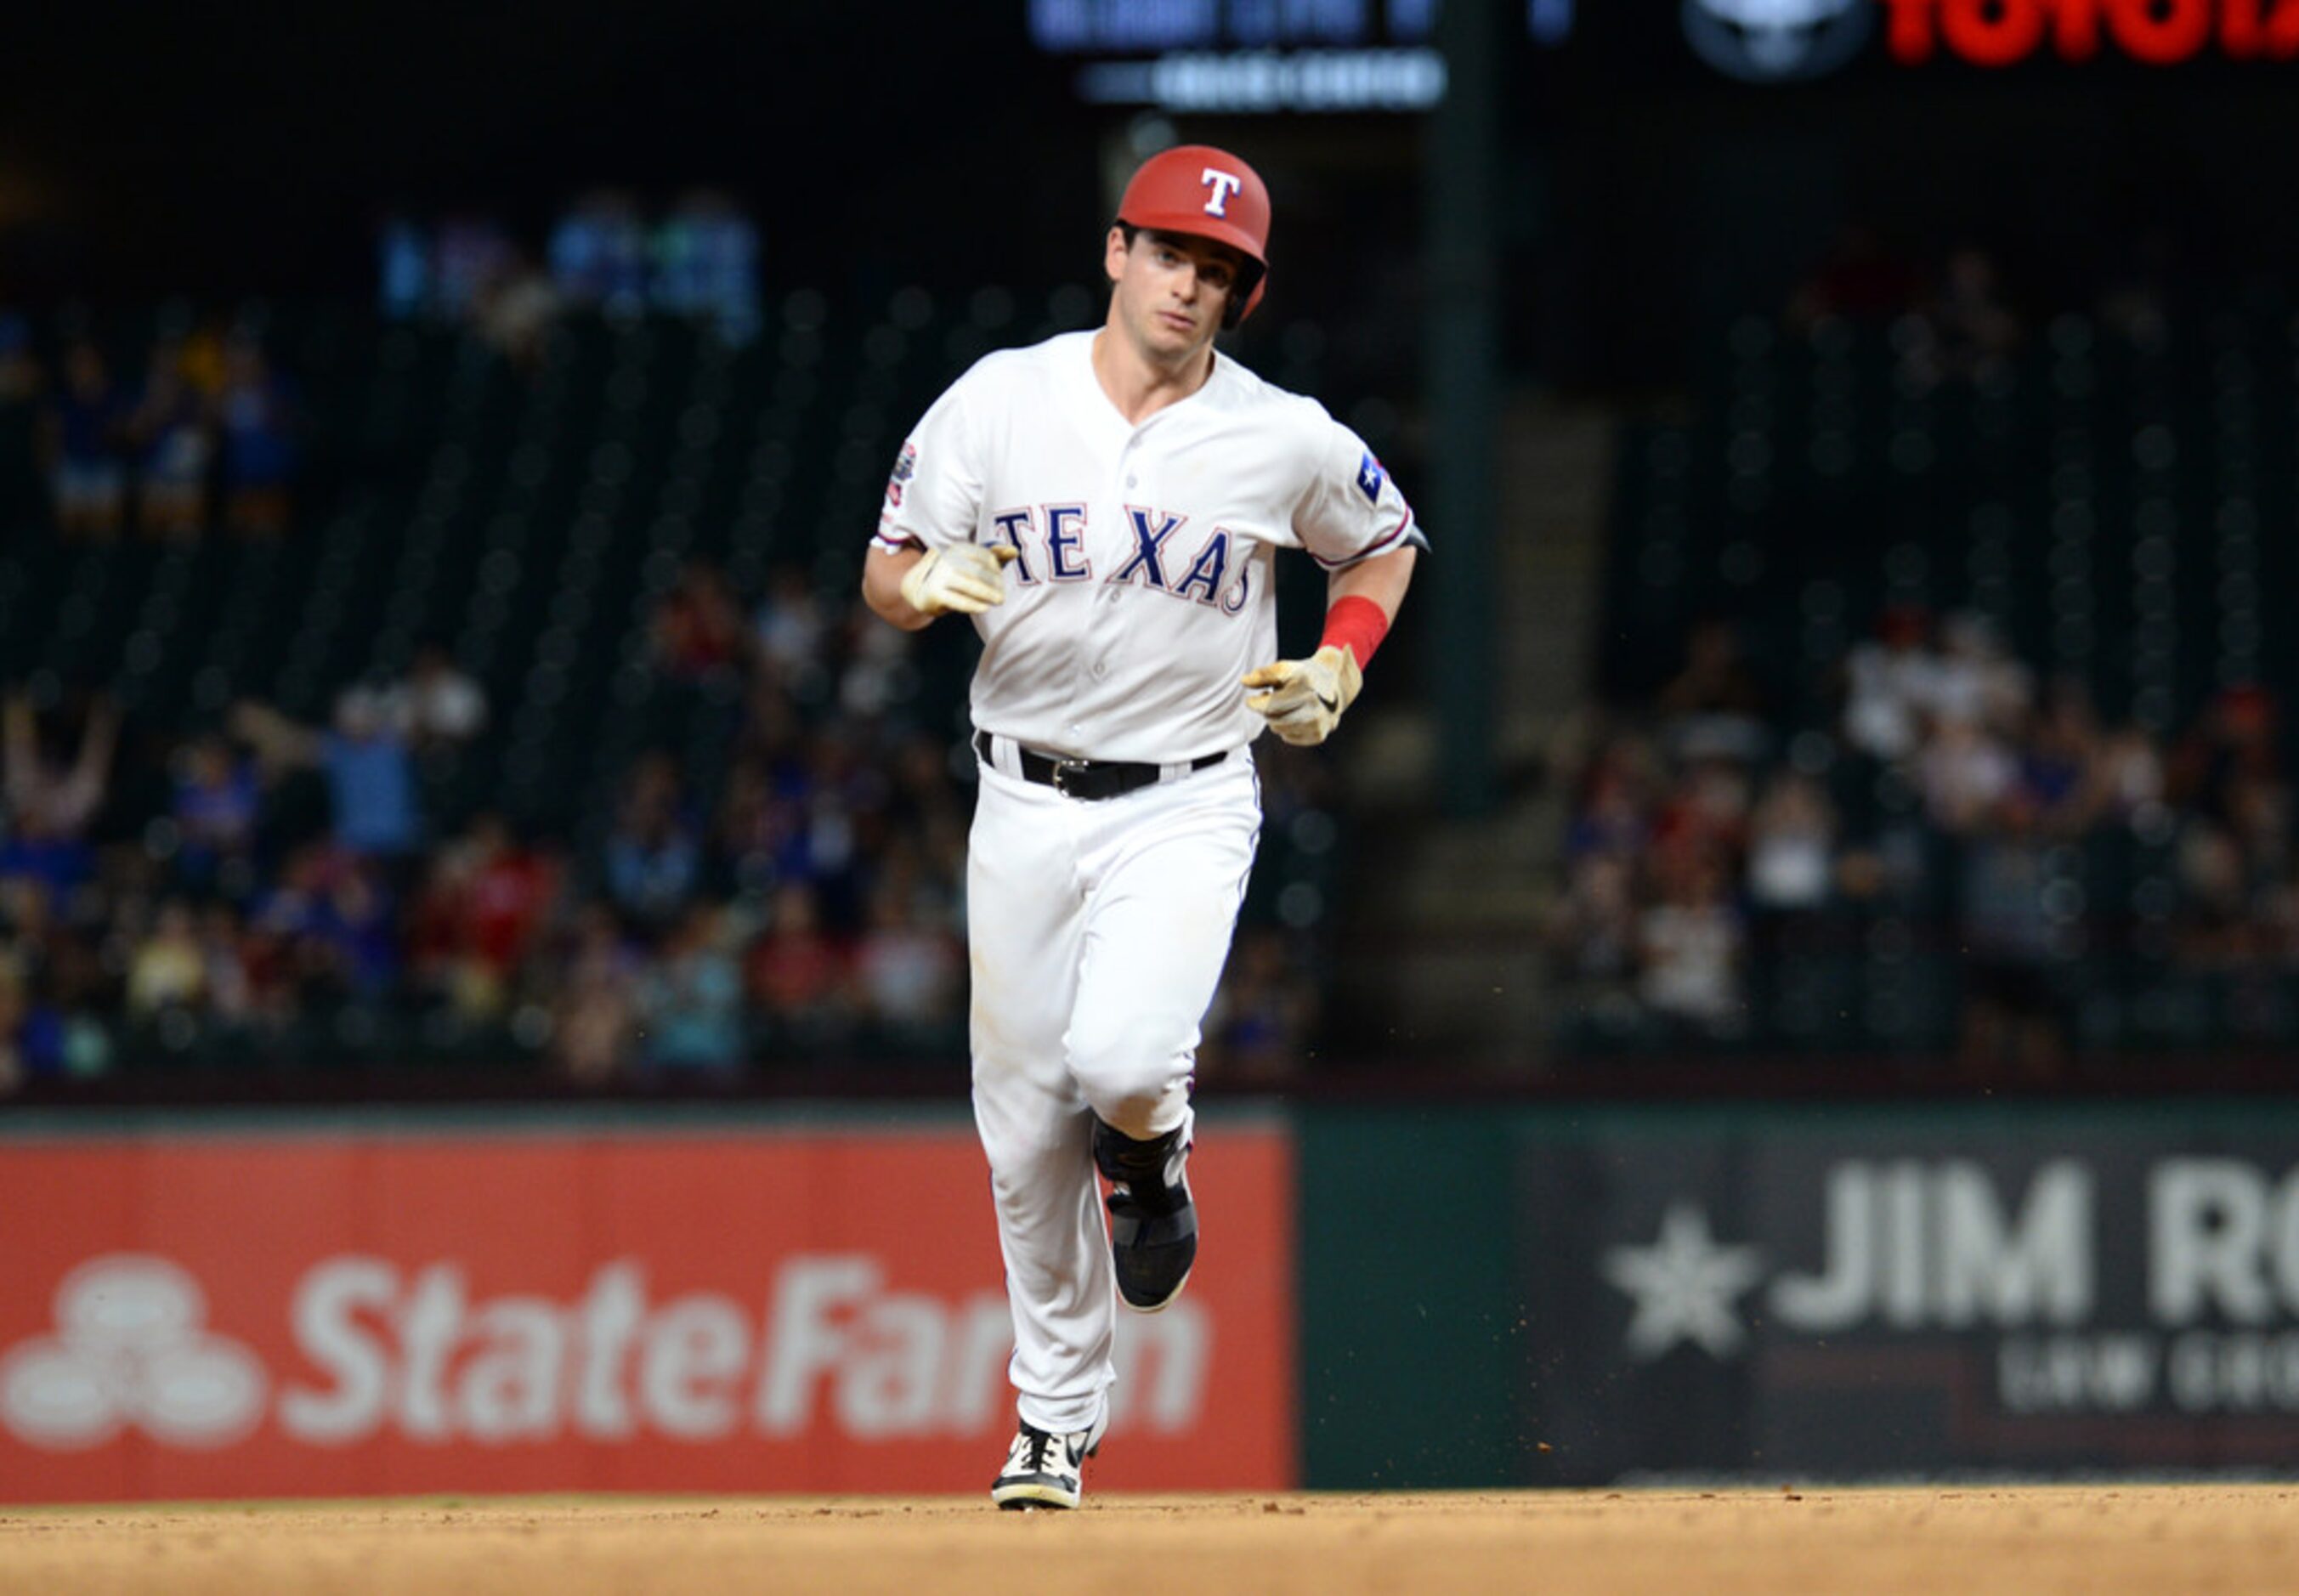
x,y
1172,290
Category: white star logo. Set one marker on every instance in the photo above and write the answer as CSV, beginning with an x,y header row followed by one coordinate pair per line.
x,y
1684,1285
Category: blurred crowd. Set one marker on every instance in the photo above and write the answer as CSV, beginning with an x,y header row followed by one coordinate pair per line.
x,y
205,431
604,255
1957,806
262,890
261,885
1956,316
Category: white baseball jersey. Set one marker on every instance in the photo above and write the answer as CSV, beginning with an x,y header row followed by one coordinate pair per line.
x,y
1143,586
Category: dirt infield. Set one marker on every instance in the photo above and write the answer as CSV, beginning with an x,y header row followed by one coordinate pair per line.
x,y
1964,1541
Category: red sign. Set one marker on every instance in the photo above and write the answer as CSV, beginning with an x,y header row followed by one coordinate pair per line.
x,y
1993,33
371,1315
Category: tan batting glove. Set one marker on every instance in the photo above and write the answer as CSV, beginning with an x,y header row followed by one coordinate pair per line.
x,y
1310,694
961,579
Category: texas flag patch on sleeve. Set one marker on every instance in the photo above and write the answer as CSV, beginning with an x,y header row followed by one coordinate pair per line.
x,y
1370,477
905,465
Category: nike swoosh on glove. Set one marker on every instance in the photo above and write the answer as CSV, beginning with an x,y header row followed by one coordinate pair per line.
x,y
1307,696
961,579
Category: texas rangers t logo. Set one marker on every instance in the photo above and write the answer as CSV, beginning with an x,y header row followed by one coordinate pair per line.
x,y
1224,184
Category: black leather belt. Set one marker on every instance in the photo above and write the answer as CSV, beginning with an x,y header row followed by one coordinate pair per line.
x,y
1090,779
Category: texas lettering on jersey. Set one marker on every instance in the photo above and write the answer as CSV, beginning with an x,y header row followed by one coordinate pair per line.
x,y
1142,586
1048,541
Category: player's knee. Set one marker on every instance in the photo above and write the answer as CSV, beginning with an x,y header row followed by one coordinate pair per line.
x,y
1131,1075
1023,1155
1038,1183
1016,1184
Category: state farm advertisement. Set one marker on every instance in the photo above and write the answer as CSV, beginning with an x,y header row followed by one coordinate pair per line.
x,y
353,1315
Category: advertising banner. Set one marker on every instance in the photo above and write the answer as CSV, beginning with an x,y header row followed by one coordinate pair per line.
x,y
351,1314
1831,1296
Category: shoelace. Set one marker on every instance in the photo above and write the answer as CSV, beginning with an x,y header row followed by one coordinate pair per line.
x,y
1032,1446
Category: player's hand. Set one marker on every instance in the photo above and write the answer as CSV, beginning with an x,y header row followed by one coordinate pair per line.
x,y
961,579
1307,696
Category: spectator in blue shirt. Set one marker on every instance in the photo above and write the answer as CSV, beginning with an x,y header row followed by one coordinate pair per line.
x,y
52,799
599,255
217,806
691,1002
370,772
402,269
707,265
258,419
654,857
87,473
173,443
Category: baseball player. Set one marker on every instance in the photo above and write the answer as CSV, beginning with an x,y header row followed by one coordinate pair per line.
x,y
1108,507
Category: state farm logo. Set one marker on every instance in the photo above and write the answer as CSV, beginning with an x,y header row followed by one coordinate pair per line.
x,y
380,1347
130,1351
834,1347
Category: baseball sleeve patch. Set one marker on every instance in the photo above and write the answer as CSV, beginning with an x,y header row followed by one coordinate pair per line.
x,y
906,466
1370,477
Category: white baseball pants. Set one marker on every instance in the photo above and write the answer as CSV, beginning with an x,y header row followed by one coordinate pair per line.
x,y
1097,932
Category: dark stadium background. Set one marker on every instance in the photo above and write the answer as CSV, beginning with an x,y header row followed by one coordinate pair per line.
x,y
1650,346
223,148
1624,202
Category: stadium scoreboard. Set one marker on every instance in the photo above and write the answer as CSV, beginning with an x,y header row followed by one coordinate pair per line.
x,y
1261,56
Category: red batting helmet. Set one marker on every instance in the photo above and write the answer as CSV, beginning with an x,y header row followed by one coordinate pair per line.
x,y
1197,189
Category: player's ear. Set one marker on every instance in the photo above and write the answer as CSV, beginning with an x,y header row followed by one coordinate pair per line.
x,y
1113,254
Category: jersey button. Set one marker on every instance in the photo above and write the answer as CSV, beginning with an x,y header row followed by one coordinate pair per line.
x,y
1101,669
1134,482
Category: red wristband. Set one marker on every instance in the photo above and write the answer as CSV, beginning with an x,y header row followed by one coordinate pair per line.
x,y
1358,624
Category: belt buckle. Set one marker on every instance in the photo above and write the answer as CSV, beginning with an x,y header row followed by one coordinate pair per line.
x,y
1063,767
